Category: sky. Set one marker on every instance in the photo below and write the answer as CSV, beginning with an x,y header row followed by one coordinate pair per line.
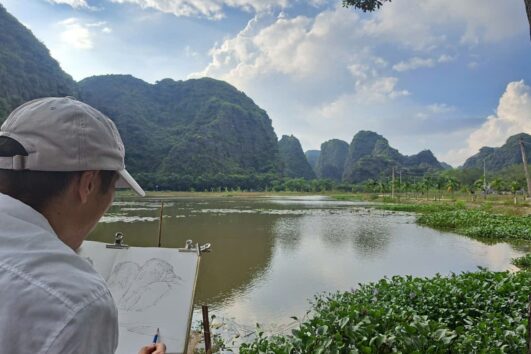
x,y
446,75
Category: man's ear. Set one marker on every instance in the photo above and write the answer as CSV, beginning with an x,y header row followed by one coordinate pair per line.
x,y
86,185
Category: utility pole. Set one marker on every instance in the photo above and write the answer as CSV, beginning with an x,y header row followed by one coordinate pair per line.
x,y
484,179
524,160
393,185
400,185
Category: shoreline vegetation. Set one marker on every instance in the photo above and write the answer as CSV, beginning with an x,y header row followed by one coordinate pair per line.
x,y
475,312
482,312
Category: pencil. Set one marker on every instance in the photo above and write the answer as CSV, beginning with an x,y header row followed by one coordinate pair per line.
x,y
156,338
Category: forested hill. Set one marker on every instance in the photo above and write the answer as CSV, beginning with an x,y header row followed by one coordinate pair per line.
x,y
331,162
502,157
186,129
27,70
294,162
371,157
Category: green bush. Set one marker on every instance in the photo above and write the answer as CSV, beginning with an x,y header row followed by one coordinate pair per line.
x,y
480,224
468,313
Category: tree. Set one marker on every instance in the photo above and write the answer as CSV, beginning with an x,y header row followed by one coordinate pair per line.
x,y
371,5
528,10
497,184
451,185
368,5
515,187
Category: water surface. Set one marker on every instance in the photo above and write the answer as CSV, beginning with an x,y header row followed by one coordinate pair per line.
x,y
270,255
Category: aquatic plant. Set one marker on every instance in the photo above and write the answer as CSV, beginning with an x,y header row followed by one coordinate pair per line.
x,y
466,313
480,224
523,262
422,208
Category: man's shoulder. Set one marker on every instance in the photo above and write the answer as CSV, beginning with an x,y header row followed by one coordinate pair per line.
x,y
38,260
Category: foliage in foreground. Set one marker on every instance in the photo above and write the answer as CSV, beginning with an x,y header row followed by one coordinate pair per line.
x,y
480,224
523,262
467,313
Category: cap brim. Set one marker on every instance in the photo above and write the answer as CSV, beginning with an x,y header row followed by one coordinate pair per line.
x,y
127,181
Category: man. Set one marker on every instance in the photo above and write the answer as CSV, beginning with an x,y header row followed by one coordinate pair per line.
x,y
60,161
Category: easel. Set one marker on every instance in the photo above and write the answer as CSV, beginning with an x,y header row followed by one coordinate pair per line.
x,y
189,248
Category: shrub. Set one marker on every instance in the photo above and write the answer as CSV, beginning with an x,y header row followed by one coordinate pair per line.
x,y
467,313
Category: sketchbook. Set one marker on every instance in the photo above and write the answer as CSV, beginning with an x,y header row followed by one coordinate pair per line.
x,y
152,288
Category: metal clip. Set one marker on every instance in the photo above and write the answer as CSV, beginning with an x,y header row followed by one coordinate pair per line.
x,y
205,248
118,241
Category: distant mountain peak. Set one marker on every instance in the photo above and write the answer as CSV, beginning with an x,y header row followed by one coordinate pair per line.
x,y
498,158
294,162
371,156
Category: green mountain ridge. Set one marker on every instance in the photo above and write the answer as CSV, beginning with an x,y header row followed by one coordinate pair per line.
x,y
331,162
371,157
27,71
501,157
294,162
188,128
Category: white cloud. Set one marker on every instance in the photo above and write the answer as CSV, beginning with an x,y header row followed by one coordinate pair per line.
x,y
416,63
73,3
424,25
441,108
75,34
213,9
79,35
513,116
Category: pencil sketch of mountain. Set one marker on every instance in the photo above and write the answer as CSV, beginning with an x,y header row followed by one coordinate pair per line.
x,y
137,288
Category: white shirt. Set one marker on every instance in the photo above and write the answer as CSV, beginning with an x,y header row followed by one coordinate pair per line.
x,y
51,300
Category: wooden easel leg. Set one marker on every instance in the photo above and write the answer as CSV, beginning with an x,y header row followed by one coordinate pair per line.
x,y
206,330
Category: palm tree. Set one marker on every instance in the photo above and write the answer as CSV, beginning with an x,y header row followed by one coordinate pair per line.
x,y
451,185
497,185
480,186
515,187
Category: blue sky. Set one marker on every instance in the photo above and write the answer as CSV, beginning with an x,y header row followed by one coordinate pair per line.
x,y
445,75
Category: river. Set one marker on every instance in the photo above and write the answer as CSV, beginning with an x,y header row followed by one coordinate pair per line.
x,y
271,255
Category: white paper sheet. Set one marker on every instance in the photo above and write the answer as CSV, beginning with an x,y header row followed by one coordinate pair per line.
x,y
152,287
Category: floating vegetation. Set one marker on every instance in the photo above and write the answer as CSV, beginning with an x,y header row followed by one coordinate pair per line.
x,y
226,211
480,224
276,211
126,219
421,208
138,209
468,313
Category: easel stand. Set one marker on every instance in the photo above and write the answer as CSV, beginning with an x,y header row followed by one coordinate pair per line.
x,y
189,259
206,330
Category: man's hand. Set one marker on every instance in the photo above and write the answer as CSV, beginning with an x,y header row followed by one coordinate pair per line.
x,y
159,348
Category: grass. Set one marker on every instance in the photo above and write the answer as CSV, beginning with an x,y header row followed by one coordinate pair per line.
x,y
467,313
523,262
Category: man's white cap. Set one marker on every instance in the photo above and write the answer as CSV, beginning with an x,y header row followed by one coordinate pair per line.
x,y
63,134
